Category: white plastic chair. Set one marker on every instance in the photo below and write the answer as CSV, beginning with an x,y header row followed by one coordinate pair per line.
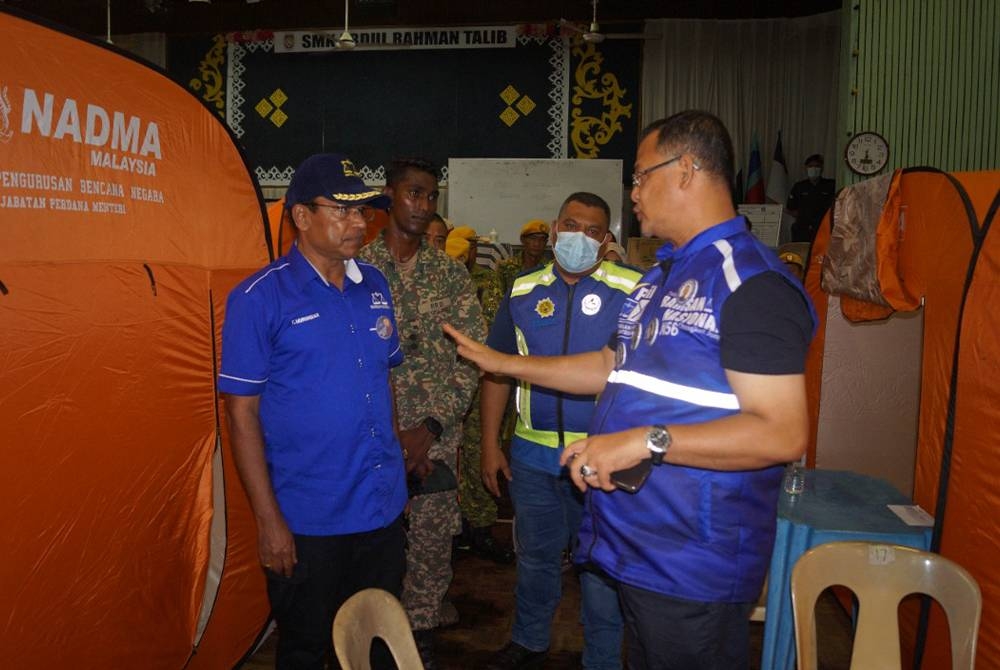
x,y
881,575
369,614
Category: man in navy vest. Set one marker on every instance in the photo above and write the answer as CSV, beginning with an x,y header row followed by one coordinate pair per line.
x,y
704,385
566,306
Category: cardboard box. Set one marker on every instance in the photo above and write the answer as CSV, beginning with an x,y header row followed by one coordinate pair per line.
x,y
641,251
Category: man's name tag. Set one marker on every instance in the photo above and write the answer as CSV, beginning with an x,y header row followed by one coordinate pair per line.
x,y
428,306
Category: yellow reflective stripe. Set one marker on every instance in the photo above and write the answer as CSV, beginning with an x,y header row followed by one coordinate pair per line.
x,y
547,438
526,284
617,277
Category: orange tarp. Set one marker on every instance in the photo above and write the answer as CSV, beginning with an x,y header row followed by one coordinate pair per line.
x,y
114,267
936,247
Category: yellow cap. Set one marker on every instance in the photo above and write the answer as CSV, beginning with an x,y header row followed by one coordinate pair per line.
x,y
457,248
789,257
535,226
462,232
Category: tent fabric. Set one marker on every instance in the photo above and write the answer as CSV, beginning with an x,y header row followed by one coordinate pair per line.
x,y
114,268
935,248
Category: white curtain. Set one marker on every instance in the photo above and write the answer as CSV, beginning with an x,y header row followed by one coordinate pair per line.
x,y
757,76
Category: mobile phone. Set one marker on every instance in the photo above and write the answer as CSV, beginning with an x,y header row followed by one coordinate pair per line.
x,y
632,479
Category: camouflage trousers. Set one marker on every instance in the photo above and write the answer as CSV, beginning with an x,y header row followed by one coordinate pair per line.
x,y
477,504
433,520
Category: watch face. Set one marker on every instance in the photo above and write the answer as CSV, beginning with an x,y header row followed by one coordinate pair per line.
x,y
867,153
659,437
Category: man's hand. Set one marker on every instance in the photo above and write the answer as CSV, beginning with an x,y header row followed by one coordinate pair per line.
x,y
488,360
604,454
491,462
276,546
416,442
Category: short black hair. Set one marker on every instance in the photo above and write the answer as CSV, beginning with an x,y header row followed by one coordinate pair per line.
x,y
400,166
700,134
815,158
590,200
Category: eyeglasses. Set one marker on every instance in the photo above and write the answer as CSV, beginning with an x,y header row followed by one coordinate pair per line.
x,y
638,177
341,212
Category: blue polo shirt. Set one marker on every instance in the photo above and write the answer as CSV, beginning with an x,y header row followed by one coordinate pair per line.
x,y
319,359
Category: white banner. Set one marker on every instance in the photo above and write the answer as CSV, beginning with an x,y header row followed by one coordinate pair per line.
x,y
466,37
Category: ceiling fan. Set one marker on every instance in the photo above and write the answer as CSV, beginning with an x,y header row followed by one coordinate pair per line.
x,y
593,32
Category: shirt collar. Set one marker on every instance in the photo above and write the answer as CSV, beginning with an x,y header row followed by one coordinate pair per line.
x,y
703,239
305,272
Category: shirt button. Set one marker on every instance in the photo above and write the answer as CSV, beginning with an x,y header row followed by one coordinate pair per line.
x,y
361,363
372,431
353,329
368,397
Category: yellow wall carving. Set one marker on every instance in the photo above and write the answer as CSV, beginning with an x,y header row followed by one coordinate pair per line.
x,y
589,133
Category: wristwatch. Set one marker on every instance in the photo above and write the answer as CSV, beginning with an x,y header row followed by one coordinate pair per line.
x,y
434,426
658,441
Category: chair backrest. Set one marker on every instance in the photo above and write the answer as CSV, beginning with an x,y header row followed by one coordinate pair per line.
x,y
881,575
368,614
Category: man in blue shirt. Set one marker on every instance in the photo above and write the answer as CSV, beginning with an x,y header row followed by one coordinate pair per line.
x,y
307,345
703,388
567,306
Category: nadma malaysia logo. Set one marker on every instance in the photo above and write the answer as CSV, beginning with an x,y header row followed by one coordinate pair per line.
x,y
6,133
118,141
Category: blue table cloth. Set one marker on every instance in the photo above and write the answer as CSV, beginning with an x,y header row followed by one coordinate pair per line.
x,y
835,506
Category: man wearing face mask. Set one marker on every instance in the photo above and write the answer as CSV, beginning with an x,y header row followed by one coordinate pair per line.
x,y
809,200
564,307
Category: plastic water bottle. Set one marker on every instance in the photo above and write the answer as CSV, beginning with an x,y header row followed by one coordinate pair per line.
x,y
494,236
795,479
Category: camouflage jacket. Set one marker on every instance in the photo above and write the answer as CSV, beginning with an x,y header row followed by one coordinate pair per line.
x,y
489,291
431,381
510,268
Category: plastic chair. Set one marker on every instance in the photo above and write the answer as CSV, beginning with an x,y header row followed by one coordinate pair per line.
x,y
881,575
369,614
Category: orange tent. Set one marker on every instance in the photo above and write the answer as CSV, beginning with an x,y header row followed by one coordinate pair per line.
x,y
934,247
127,539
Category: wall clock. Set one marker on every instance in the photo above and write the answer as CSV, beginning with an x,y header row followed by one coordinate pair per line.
x,y
866,153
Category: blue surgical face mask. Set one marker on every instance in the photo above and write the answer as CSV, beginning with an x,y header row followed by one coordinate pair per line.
x,y
575,252
814,172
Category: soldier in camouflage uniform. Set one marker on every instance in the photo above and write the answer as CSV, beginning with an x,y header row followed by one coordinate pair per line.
x,y
534,237
433,388
479,509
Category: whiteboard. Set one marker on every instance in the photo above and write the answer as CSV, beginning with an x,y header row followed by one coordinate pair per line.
x,y
503,194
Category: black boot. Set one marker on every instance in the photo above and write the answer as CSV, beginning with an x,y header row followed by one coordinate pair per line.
x,y
484,546
425,647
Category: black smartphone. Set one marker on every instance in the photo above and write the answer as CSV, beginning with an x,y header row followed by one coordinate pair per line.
x,y
632,479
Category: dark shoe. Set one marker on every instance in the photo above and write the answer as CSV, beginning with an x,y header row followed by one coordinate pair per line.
x,y
425,647
484,546
515,657
447,614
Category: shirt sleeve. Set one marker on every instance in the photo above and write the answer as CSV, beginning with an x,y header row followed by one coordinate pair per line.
x,y
501,335
246,345
793,197
456,393
766,327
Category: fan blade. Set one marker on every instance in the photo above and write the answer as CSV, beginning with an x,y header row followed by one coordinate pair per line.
x,y
569,25
632,36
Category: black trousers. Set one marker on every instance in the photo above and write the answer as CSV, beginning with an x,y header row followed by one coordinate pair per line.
x,y
330,570
664,633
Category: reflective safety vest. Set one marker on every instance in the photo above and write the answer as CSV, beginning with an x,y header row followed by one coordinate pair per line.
x,y
552,318
689,533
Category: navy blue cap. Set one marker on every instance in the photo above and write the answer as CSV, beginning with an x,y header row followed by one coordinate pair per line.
x,y
332,176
